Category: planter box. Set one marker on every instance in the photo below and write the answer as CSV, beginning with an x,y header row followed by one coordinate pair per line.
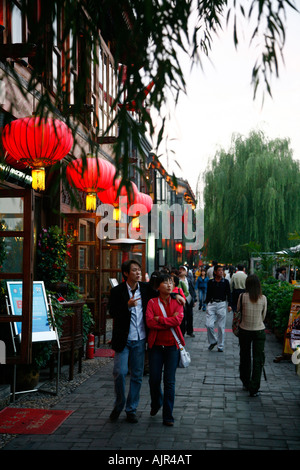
x,y
27,377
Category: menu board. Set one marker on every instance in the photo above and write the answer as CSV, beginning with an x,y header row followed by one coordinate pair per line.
x,y
41,328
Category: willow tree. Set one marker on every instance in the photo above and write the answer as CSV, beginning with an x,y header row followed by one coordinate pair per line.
x,y
251,195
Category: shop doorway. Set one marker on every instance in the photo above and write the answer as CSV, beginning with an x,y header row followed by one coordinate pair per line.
x,y
95,265
85,265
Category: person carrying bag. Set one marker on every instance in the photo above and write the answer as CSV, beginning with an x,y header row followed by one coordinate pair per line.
x,y
185,358
164,351
252,335
237,318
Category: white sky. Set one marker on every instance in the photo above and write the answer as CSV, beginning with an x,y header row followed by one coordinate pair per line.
x,y
219,103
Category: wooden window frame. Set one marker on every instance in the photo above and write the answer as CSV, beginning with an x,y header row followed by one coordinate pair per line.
x,y
57,50
107,90
17,4
26,276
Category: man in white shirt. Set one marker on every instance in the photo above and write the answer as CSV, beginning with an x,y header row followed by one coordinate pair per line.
x,y
127,306
237,285
187,323
210,271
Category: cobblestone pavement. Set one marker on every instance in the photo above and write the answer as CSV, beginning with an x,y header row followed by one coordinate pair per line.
x,y
211,411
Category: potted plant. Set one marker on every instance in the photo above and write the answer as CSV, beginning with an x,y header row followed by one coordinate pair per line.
x,y
52,253
27,376
279,296
53,250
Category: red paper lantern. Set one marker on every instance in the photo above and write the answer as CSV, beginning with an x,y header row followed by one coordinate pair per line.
x,y
143,203
110,196
90,175
37,142
142,206
179,247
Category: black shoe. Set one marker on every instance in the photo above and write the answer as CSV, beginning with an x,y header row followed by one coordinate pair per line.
x,y
220,349
114,415
211,346
168,423
154,411
131,418
191,335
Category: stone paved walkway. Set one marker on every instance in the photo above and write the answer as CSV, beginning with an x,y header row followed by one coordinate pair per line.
x,y
211,411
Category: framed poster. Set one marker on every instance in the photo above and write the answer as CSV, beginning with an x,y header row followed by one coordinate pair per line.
x,y
41,329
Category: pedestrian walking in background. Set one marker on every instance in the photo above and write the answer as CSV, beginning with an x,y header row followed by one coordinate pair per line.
x,y
252,334
187,324
182,284
163,313
189,273
197,273
218,300
237,285
282,274
230,272
176,287
210,271
201,286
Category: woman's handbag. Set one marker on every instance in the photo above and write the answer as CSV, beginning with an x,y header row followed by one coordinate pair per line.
x,y
185,358
237,319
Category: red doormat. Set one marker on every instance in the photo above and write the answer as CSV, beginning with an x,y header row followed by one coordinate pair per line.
x,y
31,420
104,353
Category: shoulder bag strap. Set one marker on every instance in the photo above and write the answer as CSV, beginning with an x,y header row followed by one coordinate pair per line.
x,y
172,329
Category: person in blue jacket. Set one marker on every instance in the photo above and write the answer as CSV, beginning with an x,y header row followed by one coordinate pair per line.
x,y
201,286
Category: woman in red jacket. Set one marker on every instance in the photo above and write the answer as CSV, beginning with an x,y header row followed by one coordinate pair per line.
x,y
163,348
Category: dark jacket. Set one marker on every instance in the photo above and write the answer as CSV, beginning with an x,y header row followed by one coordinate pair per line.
x,y
218,291
202,283
192,291
119,311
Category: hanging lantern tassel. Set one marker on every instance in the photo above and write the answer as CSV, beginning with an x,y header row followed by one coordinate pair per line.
x,y
135,223
90,202
116,214
38,179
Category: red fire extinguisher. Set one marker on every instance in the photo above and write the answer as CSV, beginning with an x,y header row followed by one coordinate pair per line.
x,y
90,346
